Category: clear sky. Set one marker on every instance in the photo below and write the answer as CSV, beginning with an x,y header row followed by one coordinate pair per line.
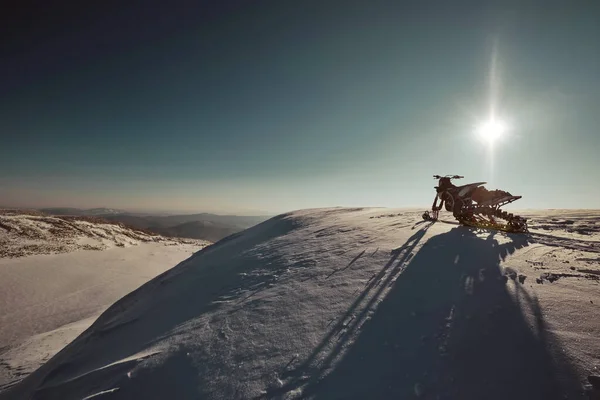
x,y
268,106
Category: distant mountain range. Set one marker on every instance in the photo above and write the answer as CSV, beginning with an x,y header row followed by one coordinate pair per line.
x,y
205,226
79,211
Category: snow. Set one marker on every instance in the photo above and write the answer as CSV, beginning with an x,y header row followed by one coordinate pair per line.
x,y
48,297
23,235
352,303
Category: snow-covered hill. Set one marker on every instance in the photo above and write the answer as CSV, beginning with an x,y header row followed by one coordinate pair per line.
x,y
352,304
58,274
29,234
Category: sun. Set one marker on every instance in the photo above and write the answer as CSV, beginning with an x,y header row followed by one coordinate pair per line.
x,y
491,130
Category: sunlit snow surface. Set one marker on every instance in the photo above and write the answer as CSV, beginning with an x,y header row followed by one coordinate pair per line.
x,y
58,274
352,303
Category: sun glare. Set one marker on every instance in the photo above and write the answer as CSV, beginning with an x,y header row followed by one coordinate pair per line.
x,y
491,130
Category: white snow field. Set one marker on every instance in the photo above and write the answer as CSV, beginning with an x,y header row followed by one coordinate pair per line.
x,y
53,286
352,304
30,234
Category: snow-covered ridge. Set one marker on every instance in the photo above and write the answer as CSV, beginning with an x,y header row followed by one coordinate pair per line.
x,y
351,304
29,233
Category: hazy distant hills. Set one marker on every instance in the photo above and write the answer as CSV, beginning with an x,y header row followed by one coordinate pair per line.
x,y
203,226
79,211
198,229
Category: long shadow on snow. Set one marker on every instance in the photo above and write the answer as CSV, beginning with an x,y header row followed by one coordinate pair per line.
x,y
148,314
449,329
330,346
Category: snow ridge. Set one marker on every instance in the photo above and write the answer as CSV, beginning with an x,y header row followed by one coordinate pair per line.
x,y
349,303
29,234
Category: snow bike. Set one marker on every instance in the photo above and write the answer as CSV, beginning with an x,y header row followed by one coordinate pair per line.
x,y
474,205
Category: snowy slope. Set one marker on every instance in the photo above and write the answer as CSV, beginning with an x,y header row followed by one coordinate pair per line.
x,y
352,303
53,286
23,235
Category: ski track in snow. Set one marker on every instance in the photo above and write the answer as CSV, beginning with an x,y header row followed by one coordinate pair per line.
x,y
352,303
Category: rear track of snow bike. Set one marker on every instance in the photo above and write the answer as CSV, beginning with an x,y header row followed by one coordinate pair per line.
x,y
488,216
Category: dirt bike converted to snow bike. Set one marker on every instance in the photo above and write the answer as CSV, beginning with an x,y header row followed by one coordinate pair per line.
x,y
474,205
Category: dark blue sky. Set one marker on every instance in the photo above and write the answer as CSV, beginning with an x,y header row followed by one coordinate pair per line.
x,y
276,105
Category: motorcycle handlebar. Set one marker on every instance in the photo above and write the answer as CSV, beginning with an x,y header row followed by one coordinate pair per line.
x,y
448,176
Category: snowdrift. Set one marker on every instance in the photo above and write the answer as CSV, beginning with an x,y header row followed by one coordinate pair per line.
x,y
350,303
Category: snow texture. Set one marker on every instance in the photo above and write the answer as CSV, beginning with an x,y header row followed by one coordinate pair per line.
x,y
23,235
52,287
352,304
